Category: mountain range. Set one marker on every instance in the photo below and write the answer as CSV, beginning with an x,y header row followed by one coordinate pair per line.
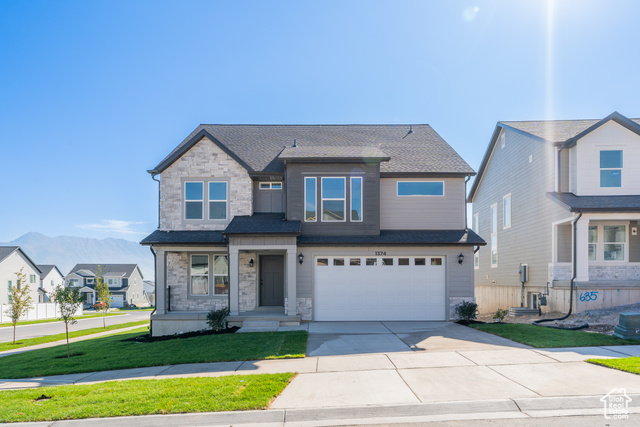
x,y
67,251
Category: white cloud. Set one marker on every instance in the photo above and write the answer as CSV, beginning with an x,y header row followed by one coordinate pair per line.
x,y
113,226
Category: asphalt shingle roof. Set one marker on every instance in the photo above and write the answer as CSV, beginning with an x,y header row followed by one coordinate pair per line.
x,y
46,269
400,237
5,251
555,130
258,146
184,237
597,203
122,270
266,223
344,152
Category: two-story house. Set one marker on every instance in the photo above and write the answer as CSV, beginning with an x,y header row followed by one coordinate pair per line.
x,y
13,260
563,199
325,222
125,283
50,279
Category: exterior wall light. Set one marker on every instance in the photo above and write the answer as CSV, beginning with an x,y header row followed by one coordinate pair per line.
x,y
460,258
251,263
300,258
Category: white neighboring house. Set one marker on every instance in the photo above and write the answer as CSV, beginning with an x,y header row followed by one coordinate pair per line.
x,y
50,279
125,283
12,259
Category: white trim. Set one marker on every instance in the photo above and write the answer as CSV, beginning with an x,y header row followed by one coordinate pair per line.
x,y
322,199
351,179
504,212
419,195
315,199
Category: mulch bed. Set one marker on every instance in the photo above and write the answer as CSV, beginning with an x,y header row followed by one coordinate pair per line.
x,y
468,322
149,338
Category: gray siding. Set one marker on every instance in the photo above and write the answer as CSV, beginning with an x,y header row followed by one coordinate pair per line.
x,y
422,212
565,171
634,244
528,241
565,243
459,277
267,200
295,174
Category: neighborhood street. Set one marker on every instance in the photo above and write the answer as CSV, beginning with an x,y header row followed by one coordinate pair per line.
x,y
43,329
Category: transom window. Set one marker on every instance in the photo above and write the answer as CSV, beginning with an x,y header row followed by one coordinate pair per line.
x,y
333,199
195,197
420,188
271,186
611,168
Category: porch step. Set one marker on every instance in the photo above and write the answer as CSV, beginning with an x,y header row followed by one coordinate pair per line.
x,y
259,326
522,311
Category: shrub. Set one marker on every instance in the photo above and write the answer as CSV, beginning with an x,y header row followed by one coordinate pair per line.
x,y
467,310
500,314
217,319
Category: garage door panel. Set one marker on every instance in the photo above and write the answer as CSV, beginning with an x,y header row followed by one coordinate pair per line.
x,y
384,291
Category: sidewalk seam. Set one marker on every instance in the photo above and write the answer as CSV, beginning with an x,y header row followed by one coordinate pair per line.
x,y
512,380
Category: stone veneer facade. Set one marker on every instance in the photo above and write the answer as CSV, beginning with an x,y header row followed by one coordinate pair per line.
x,y
177,279
205,161
247,281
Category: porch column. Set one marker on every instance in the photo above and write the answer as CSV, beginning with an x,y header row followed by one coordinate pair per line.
x,y
291,281
234,282
161,285
582,252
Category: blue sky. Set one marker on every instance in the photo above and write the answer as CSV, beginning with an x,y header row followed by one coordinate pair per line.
x,y
94,93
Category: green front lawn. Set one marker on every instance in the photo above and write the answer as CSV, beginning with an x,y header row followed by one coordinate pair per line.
x,y
33,322
142,397
627,364
541,337
57,337
118,352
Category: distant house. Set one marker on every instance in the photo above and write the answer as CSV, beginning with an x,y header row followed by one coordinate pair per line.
x,y
50,278
124,280
561,198
12,259
150,291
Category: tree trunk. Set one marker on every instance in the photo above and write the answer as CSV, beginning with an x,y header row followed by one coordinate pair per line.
x,y
14,333
104,319
66,326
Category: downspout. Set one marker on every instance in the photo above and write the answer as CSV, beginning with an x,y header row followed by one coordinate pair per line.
x,y
153,177
572,286
155,277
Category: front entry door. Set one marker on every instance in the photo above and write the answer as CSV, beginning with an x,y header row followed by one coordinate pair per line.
x,y
272,280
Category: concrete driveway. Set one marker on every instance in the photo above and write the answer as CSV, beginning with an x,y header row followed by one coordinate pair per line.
x,y
343,338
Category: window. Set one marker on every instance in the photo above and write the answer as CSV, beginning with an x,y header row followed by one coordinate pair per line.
x,y
593,242
323,262
419,261
611,168
199,274
372,261
494,236
333,199
506,211
338,261
436,261
614,238
403,261
356,199
218,200
52,284
476,228
73,282
420,188
9,285
220,275
89,281
112,282
193,200
32,278
271,186
310,198
354,261
387,261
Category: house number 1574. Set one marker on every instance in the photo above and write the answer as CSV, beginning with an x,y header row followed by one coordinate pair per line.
x,y
380,252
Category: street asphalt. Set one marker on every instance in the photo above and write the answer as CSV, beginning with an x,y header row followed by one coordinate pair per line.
x,y
376,373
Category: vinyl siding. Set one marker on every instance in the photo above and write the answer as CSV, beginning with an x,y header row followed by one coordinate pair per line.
x,y
528,241
295,174
267,200
422,212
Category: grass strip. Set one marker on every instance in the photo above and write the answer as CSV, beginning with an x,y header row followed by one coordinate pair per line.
x,y
541,337
142,397
119,351
33,322
73,334
626,364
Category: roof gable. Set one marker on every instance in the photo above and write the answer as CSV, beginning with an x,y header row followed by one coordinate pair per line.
x,y
5,251
112,270
411,148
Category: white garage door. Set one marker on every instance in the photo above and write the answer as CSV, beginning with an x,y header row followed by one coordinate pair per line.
x,y
117,301
379,288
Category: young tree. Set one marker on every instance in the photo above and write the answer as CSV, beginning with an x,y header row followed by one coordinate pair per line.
x,y
20,301
69,299
103,295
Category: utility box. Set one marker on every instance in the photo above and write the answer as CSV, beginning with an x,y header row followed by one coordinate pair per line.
x,y
542,299
523,273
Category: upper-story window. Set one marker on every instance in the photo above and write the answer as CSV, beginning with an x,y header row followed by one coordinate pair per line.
x,y
310,198
271,186
506,211
356,198
476,228
494,236
420,188
195,196
32,278
611,168
218,200
333,199
112,282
